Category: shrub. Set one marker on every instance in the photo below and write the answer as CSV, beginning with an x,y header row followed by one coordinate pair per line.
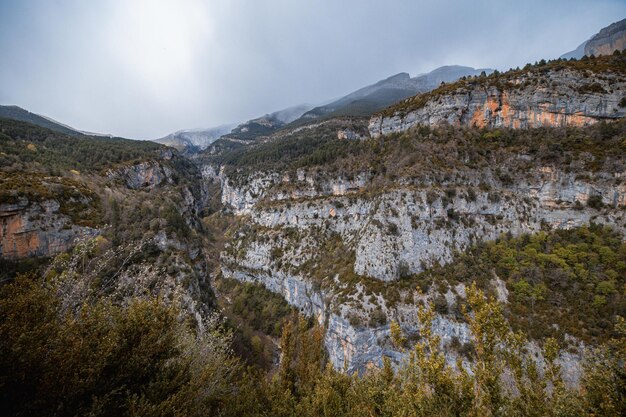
x,y
595,201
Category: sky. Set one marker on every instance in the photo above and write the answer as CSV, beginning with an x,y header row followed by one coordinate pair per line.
x,y
145,68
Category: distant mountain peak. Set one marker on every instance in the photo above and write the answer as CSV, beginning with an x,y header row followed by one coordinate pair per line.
x,y
401,76
377,96
605,42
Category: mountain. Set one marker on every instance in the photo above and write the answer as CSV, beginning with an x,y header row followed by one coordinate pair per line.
x,y
462,252
18,113
367,100
576,53
581,93
267,124
608,40
333,224
362,102
605,42
192,140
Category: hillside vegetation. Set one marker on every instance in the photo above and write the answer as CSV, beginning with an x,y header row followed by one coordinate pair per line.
x,y
141,358
25,147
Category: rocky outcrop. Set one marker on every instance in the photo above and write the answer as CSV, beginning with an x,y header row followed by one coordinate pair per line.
x,y
387,234
147,174
241,195
608,40
357,346
349,134
559,97
29,228
408,228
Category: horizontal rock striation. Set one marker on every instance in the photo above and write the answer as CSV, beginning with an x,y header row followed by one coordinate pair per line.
x,y
560,97
390,233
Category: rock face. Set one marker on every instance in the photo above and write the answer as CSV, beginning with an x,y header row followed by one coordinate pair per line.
x,y
36,229
605,42
561,97
147,174
385,235
348,134
608,40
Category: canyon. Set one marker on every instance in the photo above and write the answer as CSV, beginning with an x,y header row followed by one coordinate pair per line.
x,y
343,236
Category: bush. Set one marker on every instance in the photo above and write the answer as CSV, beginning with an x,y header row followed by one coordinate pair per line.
x,y
595,201
105,359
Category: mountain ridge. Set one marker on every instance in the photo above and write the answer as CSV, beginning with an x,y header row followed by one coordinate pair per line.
x,y
389,90
605,42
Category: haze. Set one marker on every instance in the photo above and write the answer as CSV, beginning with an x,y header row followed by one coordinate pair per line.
x,y
145,68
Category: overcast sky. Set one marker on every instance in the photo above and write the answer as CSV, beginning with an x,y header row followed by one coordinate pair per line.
x,y
145,68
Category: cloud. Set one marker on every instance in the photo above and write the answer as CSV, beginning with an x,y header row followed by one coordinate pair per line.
x,y
144,68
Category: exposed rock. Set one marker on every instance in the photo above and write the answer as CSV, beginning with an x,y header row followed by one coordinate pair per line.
x,y
392,232
608,40
561,97
147,174
348,134
605,42
36,229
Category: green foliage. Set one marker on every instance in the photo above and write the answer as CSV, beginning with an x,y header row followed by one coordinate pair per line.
x,y
257,316
398,339
140,358
307,147
561,282
27,147
105,359
427,385
595,201
258,307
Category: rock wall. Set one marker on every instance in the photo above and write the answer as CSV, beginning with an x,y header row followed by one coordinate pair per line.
x,y
29,228
609,39
147,174
392,232
564,97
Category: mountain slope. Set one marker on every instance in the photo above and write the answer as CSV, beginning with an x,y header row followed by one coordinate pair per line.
x,y
18,113
605,42
267,124
347,232
369,99
608,40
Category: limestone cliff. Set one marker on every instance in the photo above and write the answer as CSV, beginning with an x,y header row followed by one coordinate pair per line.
x,y
294,224
36,228
608,40
345,241
560,93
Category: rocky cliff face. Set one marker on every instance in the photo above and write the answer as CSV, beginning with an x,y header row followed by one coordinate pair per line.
x,y
561,95
608,40
37,228
293,223
147,174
